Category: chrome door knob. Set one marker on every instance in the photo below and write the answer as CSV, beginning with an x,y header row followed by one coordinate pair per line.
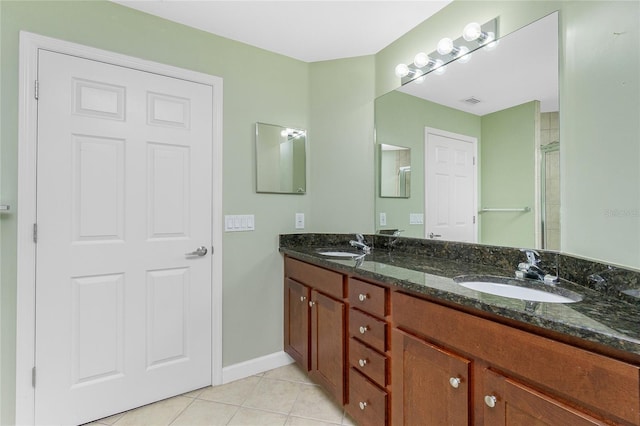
x,y
363,329
303,298
363,297
362,405
454,382
432,235
490,400
311,303
362,362
200,251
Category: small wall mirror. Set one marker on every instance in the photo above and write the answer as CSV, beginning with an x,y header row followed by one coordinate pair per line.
x,y
280,159
395,171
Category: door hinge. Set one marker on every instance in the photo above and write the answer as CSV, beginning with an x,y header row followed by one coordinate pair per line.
x,y
211,250
35,232
474,161
36,86
33,377
474,219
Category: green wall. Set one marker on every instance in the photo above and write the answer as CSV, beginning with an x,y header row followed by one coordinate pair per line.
x,y
507,153
599,110
400,120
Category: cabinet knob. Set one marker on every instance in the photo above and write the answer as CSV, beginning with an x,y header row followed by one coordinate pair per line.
x,y
362,405
454,382
363,297
363,329
303,298
490,400
362,362
311,303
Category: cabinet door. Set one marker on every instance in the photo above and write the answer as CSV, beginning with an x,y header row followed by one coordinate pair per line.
x,y
328,344
296,322
430,385
508,402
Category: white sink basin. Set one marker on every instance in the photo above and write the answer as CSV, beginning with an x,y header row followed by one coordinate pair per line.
x,y
518,289
339,253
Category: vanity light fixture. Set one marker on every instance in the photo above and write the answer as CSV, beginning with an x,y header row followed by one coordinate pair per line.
x,y
446,47
473,31
473,37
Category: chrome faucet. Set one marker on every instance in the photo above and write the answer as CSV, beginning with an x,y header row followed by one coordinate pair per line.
x,y
360,243
531,268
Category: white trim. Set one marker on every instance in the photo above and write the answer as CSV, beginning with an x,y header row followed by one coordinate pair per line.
x,y
26,212
255,366
474,141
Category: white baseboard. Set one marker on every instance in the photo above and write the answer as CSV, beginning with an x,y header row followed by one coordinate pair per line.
x,y
255,366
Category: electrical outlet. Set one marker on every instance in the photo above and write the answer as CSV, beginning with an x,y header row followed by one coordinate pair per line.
x,y
299,220
383,219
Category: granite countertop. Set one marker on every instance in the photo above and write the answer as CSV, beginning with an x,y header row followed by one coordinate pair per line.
x,y
598,317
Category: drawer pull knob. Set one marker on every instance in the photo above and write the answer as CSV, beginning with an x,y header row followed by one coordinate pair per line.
x,y
490,400
362,405
303,298
454,382
363,329
363,297
362,362
311,303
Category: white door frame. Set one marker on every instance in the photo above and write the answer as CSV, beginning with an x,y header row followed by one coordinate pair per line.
x,y
474,141
26,213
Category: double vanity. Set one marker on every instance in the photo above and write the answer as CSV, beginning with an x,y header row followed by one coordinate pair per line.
x,y
423,332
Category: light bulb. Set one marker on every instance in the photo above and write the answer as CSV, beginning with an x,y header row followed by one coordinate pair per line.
x,y
463,55
445,46
421,60
439,68
284,133
420,79
489,38
402,70
472,31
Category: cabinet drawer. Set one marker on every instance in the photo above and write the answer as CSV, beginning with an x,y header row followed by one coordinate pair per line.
x,y
368,329
367,402
326,281
367,297
585,378
369,362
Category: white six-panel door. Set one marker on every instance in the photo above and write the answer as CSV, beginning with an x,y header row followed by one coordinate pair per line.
x,y
123,314
450,186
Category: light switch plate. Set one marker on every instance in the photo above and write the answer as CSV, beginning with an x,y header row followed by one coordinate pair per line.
x,y
299,220
416,218
239,222
383,219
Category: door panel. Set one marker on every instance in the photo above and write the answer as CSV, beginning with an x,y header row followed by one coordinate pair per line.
x,y
123,317
450,186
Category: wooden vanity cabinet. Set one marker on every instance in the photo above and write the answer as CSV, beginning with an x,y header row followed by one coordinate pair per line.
x,y
515,377
430,384
369,374
314,323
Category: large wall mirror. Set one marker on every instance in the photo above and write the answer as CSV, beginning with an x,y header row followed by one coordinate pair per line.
x,y
280,159
506,98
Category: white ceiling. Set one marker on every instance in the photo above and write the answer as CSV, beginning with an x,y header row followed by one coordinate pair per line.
x,y
306,30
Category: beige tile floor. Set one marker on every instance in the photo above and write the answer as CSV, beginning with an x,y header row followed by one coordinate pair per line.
x,y
284,396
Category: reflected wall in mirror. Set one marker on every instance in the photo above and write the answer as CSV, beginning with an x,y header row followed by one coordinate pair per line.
x,y
506,97
280,159
394,171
